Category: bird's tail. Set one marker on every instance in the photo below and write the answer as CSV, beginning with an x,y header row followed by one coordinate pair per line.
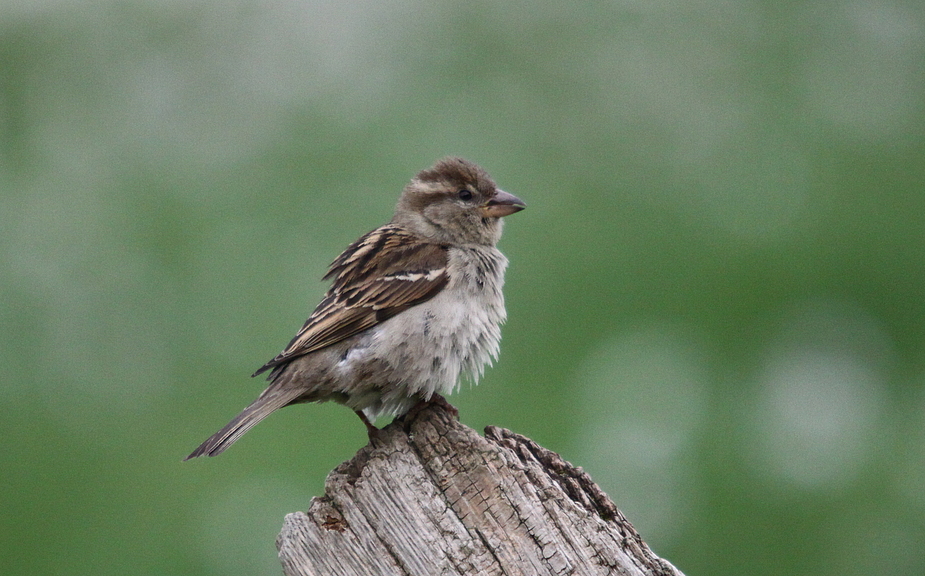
x,y
259,409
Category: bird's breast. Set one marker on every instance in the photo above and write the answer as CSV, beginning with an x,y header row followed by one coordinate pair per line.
x,y
456,332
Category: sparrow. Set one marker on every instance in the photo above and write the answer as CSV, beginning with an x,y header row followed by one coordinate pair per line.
x,y
413,306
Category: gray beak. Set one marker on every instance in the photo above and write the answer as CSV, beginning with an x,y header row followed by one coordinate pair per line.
x,y
502,204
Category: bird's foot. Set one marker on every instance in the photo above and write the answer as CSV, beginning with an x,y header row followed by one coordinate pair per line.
x,y
371,431
435,400
438,400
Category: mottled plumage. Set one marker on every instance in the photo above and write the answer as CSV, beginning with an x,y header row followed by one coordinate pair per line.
x,y
367,290
413,305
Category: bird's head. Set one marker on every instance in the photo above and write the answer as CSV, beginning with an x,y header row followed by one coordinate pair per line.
x,y
457,202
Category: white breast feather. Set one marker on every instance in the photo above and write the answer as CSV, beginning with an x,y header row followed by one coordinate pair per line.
x,y
460,327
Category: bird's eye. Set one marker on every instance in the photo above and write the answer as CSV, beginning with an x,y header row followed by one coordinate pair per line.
x,y
465,195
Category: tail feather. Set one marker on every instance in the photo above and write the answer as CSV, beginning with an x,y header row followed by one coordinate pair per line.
x,y
259,409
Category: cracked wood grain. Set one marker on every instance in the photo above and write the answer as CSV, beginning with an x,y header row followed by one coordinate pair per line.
x,y
432,497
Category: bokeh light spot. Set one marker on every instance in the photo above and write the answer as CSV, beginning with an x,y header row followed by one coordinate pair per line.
x,y
644,395
822,393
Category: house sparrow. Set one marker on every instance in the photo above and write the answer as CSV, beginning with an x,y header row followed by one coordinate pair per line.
x,y
413,305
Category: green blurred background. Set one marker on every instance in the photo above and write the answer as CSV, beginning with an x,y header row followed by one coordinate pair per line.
x,y
716,295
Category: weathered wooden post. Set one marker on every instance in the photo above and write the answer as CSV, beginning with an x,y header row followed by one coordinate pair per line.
x,y
432,497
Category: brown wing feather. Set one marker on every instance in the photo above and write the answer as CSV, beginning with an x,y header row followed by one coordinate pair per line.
x,y
367,290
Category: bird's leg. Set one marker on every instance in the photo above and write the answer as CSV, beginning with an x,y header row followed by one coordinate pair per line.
x,y
435,400
442,402
371,430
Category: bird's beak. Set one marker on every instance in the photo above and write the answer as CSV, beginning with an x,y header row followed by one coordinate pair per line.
x,y
502,204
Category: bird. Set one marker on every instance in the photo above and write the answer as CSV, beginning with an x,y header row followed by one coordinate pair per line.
x,y
413,307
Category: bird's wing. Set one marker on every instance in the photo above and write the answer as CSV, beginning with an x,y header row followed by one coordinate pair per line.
x,y
381,274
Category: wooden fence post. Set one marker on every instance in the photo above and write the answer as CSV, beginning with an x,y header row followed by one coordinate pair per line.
x,y
432,497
